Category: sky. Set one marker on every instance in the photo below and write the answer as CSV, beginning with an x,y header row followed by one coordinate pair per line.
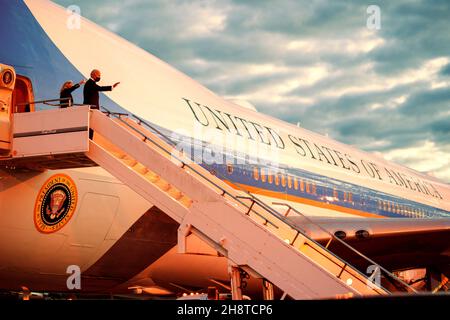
x,y
381,85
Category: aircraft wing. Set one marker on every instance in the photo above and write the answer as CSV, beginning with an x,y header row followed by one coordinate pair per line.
x,y
395,244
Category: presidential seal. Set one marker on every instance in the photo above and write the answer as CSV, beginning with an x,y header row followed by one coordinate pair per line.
x,y
55,203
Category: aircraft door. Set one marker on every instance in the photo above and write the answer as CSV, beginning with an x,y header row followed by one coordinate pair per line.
x,y
7,81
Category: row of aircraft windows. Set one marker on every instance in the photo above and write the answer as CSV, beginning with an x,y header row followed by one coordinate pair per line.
x,y
401,209
267,176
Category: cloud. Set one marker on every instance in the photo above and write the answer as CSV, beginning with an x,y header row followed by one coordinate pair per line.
x,y
425,157
445,70
313,62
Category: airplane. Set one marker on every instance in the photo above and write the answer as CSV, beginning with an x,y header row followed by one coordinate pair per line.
x,y
395,215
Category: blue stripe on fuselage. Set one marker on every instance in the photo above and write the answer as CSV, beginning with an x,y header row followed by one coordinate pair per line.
x,y
328,190
322,188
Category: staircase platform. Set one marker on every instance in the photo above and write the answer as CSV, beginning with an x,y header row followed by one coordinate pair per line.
x,y
49,139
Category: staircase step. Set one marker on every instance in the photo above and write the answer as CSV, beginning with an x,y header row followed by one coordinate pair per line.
x,y
175,193
163,185
152,177
141,169
186,201
130,162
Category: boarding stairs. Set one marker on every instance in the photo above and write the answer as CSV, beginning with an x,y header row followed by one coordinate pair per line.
x,y
253,235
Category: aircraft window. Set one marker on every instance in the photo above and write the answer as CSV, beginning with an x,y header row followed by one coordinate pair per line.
x,y
256,173
295,183
229,168
283,180
289,180
263,175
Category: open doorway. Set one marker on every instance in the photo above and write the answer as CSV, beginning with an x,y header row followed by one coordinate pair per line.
x,y
22,95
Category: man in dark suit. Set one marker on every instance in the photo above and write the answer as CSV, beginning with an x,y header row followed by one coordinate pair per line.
x,y
91,89
91,93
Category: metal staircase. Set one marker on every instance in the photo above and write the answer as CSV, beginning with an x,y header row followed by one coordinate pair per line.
x,y
251,234
248,232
